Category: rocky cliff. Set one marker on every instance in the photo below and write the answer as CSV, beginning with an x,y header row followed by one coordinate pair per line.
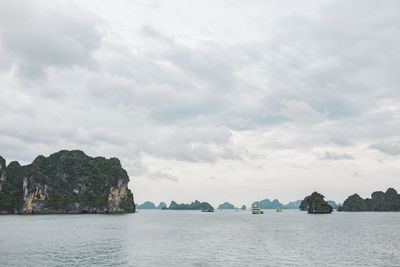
x,y
379,201
65,182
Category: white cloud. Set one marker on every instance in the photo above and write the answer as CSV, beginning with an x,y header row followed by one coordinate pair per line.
x,y
300,112
387,148
162,175
336,156
47,34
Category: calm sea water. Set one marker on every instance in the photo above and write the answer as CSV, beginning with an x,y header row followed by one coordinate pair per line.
x,y
192,238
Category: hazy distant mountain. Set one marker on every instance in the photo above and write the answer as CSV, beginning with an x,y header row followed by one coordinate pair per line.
x,y
226,206
162,205
333,204
292,205
196,205
148,205
267,204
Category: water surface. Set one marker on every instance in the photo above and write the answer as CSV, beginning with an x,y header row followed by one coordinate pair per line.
x,y
192,238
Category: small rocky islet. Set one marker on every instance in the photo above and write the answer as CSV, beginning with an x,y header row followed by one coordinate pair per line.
x,y
65,182
315,204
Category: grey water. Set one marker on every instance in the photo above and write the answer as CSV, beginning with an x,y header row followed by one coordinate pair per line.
x,y
193,238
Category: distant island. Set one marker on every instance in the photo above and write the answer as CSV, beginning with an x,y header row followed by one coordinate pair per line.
x,y
65,182
267,204
162,205
196,205
226,206
274,204
379,201
315,203
292,205
148,205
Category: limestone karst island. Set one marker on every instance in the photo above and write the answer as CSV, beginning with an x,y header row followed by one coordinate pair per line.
x,y
72,182
65,182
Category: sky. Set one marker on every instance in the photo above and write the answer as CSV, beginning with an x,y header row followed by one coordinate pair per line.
x,y
211,100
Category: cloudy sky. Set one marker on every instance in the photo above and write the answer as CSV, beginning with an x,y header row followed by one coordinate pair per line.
x,y
211,100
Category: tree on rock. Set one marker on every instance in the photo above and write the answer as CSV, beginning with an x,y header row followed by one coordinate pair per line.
x,y
315,203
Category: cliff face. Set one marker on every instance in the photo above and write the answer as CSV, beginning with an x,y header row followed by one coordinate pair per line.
x,y
65,182
379,201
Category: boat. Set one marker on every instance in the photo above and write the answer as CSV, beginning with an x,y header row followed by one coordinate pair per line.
x,y
256,210
279,209
208,210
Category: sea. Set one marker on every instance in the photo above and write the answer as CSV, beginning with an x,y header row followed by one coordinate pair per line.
x,y
194,238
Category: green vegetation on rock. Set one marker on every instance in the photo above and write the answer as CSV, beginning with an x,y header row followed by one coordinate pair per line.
x,y
315,203
65,182
379,201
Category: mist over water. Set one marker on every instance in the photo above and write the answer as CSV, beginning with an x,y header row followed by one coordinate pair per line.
x,y
192,238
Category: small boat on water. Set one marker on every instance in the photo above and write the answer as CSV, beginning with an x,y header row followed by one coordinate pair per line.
x,y
279,209
208,210
256,210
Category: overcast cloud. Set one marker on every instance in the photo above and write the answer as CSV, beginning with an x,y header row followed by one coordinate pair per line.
x,y
217,101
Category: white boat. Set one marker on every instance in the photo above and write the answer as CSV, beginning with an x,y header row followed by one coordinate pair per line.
x,y
279,209
256,210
